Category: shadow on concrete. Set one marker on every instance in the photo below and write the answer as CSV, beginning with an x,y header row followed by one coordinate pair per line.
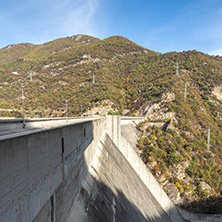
x,y
54,178
110,206
115,192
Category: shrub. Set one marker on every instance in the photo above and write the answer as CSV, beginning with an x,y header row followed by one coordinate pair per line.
x,y
140,143
146,141
180,188
111,112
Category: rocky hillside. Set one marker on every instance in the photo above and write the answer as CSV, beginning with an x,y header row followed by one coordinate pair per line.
x,y
118,76
174,146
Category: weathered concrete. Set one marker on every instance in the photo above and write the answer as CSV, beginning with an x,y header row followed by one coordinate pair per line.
x,y
114,129
112,191
131,134
45,168
194,217
9,126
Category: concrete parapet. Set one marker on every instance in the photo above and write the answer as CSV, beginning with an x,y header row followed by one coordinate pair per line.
x,y
129,120
12,124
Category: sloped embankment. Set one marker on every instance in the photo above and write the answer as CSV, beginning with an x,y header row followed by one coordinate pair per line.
x,y
114,192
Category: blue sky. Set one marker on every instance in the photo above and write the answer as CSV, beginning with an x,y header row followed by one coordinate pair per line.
x,y
159,25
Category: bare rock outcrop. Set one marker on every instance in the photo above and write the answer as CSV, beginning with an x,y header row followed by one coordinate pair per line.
x,y
167,97
158,111
178,171
101,108
217,92
206,187
173,193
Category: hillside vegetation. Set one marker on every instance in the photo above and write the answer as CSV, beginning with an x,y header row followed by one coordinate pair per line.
x,y
131,80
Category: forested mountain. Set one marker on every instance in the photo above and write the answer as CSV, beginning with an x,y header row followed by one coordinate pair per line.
x,y
135,81
125,73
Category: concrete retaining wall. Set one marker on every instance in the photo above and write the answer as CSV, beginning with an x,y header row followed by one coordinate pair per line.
x,y
45,168
141,169
193,217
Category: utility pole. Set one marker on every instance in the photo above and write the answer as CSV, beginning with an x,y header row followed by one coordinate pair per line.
x,y
66,110
93,78
81,111
185,91
208,139
22,85
177,69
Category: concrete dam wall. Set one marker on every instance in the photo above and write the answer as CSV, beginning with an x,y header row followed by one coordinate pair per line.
x,y
80,172
42,171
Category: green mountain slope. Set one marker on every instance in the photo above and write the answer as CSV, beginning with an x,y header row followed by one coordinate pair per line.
x,y
68,72
14,52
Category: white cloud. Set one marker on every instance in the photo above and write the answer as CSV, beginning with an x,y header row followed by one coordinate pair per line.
x,y
216,52
42,21
78,18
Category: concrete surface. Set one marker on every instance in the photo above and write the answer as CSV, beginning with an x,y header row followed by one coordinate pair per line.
x,y
131,134
114,192
42,172
132,120
11,126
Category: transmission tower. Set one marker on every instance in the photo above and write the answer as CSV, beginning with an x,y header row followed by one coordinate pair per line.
x,y
177,69
208,139
93,78
185,91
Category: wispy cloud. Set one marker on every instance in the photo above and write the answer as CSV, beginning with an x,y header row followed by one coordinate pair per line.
x,y
41,21
216,52
77,17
